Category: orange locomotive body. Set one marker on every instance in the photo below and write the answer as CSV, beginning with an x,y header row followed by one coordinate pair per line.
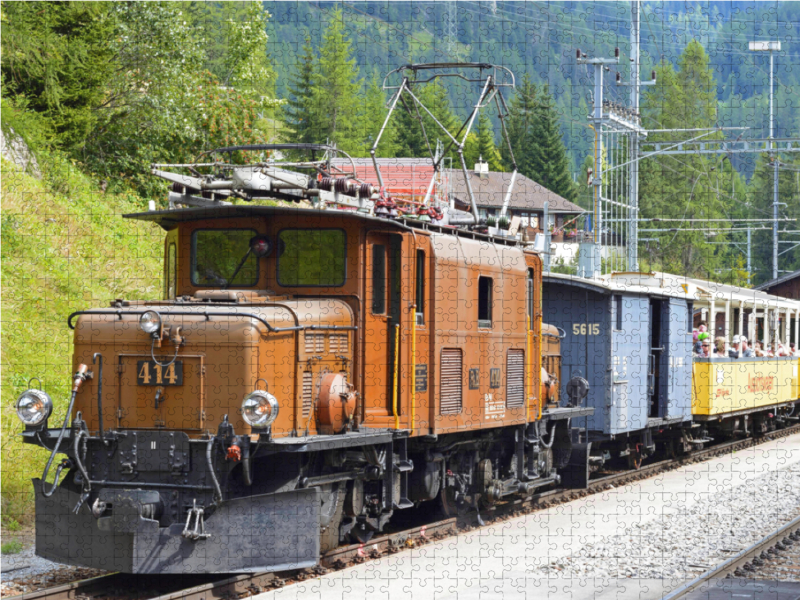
x,y
307,374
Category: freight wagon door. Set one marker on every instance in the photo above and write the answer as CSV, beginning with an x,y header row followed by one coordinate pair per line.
x,y
381,320
159,394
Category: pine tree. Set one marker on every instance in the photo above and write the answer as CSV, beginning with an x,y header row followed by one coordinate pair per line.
x,y
371,120
545,160
482,145
676,188
336,87
58,56
521,119
299,109
410,138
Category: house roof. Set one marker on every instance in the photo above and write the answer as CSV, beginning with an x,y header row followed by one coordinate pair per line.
x,y
773,282
412,175
490,191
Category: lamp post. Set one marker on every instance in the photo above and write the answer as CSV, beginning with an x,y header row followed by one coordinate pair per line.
x,y
771,47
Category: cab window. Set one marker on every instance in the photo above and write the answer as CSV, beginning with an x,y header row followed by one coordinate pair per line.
x,y
172,272
222,258
312,257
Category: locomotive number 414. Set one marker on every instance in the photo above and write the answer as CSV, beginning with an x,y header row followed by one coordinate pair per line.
x,y
149,372
585,328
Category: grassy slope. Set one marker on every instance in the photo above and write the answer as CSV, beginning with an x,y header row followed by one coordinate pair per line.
x,y
65,247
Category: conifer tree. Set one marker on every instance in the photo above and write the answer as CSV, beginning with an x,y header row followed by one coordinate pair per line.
x,y
685,189
335,89
545,159
521,119
410,138
482,145
299,109
371,120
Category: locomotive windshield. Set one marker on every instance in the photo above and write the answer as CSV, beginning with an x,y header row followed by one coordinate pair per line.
x,y
315,257
222,258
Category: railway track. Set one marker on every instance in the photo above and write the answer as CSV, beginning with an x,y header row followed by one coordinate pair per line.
x,y
204,587
754,562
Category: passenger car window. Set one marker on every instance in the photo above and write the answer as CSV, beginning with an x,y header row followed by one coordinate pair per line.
x,y
312,257
216,254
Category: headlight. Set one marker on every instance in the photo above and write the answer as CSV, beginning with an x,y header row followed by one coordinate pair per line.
x,y
33,407
150,322
260,409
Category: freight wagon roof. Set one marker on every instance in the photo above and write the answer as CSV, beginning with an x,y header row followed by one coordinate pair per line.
x,y
610,286
167,219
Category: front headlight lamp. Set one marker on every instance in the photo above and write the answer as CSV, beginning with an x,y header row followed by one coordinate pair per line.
x,y
34,407
260,409
150,322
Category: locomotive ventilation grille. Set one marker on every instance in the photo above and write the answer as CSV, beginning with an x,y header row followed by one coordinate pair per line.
x,y
515,379
451,381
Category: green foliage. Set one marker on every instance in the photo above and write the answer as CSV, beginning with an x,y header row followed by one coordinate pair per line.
x,y
126,84
674,187
65,248
56,60
371,118
522,117
536,140
12,524
760,198
545,157
481,145
12,547
299,108
410,138
335,88
559,265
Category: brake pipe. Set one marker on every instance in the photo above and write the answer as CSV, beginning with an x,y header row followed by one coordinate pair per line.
x,y
81,375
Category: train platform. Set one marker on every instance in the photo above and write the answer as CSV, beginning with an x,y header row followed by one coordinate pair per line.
x,y
621,544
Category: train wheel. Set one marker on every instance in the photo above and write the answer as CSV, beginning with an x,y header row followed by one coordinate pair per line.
x,y
452,507
330,516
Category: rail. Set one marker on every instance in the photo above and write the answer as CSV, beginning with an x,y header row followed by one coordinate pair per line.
x,y
732,564
137,587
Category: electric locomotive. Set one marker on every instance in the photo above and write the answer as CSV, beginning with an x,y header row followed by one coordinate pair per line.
x,y
308,373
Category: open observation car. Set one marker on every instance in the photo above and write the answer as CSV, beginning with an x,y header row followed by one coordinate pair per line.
x,y
307,374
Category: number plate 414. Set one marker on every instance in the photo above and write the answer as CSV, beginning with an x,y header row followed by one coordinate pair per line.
x,y
149,372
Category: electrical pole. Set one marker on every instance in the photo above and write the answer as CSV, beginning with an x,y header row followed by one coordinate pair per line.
x,y
633,230
591,254
771,47
749,240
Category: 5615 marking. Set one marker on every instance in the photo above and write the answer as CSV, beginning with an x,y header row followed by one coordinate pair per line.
x,y
585,328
